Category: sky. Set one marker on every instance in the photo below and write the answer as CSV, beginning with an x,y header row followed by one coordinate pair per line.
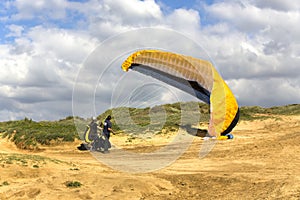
x,y
49,49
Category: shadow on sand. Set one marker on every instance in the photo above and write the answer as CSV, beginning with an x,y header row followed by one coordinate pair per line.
x,y
195,131
83,147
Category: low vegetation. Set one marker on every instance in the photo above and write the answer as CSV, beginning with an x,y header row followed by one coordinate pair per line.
x,y
4,183
166,117
256,112
73,184
34,161
28,134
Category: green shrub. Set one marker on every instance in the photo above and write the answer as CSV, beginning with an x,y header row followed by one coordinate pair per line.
x,y
4,183
73,184
27,134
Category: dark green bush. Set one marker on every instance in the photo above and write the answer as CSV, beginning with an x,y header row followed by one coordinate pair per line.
x,y
73,184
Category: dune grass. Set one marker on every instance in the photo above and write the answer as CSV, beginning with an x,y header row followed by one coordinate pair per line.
x,y
28,134
256,112
26,160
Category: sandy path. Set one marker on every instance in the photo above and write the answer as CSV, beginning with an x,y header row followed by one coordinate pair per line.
x,y
262,162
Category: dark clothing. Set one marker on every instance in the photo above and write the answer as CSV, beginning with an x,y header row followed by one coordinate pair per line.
x,y
107,124
105,142
106,133
93,130
93,126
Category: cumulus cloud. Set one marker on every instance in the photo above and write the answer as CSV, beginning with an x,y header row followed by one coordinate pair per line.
x,y
42,9
254,44
38,68
186,21
133,12
258,49
278,5
15,31
263,91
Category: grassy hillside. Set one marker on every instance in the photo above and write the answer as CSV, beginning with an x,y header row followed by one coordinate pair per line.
x,y
256,112
156,119
28,134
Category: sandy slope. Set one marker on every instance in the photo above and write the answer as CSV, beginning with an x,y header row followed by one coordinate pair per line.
x,y
262,162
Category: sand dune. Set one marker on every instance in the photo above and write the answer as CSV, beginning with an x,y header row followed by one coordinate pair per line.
x,y
261,162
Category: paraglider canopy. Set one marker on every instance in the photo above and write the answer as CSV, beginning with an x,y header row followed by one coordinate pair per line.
x,y
194,76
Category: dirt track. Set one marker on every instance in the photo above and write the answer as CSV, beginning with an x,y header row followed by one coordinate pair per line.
x,y
261,162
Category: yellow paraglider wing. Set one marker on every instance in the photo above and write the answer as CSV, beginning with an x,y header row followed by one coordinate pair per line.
x,y
223,106
194,76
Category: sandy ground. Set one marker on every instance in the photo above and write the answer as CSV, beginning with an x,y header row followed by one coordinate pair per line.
x,y
261,162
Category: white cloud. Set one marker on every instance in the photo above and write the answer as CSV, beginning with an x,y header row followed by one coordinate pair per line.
x,y
265,23
42,9
256,48
261,92
39,68
13,67
186,21
15,30
111,17
278,4
133,11
114,16
61,44
254,44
